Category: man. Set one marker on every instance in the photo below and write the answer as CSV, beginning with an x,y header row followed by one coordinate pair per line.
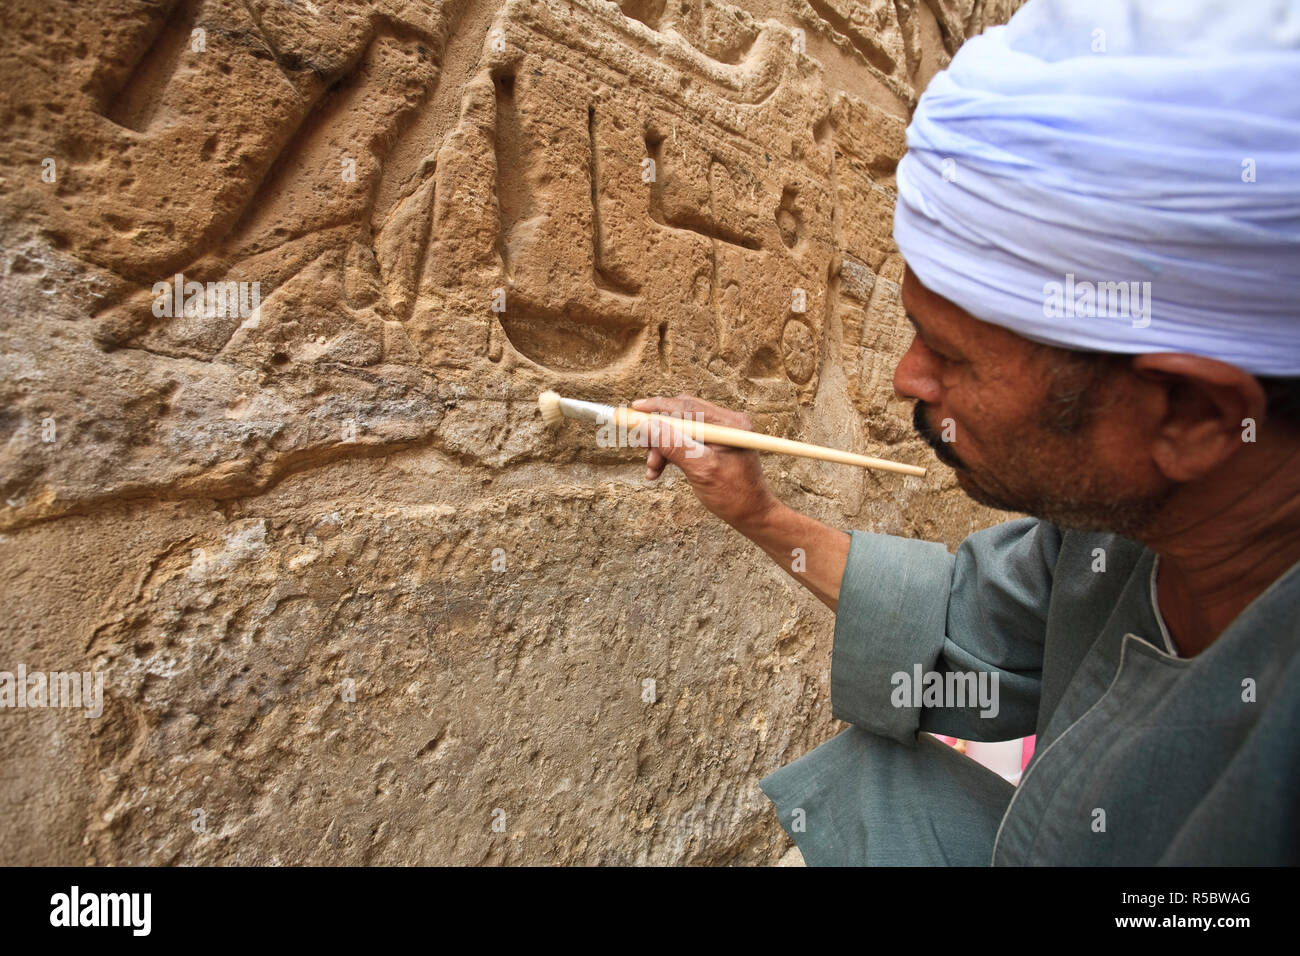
x,y
1100,214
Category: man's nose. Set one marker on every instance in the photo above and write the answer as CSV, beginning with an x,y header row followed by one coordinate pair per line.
x,y
917,374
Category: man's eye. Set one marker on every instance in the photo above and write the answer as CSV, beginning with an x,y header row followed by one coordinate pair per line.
x,y
941,356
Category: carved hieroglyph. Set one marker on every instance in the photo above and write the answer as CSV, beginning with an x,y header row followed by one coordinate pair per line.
x,y
282,280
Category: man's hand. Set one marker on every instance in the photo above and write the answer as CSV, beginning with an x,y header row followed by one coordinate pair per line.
x,y
728,481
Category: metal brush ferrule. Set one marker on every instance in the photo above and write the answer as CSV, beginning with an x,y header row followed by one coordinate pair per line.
x,y
587,411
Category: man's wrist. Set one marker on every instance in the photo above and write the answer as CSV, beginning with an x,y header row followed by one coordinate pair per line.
x,y
759,519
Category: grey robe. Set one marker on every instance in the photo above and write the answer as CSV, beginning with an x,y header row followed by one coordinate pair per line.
x,y
1142,758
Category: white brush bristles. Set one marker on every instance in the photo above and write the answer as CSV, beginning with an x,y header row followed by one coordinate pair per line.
x,y
549,403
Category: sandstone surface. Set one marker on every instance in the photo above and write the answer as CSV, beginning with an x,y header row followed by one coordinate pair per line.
x,y
352,601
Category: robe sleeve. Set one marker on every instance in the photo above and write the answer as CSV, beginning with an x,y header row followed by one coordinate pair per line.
x,y
905,603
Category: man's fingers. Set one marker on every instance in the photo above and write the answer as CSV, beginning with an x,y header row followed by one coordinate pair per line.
x,y
708,412
666,439
690,408
654,464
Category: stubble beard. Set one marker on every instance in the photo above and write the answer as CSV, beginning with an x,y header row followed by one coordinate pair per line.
x,y
1071,497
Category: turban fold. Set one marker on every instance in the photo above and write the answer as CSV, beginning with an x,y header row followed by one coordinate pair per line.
x,y
1118,175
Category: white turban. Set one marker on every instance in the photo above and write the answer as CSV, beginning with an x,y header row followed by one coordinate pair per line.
x,y
1118,175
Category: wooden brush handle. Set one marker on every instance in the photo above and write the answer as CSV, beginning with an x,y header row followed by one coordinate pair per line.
x,y
740,438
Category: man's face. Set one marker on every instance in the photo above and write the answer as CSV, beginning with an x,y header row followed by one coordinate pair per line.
x,y
1025,429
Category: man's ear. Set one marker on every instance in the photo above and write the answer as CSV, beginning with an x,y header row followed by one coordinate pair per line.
x,y
1205,406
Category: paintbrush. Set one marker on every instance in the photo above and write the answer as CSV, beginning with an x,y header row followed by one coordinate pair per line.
x,y
555,408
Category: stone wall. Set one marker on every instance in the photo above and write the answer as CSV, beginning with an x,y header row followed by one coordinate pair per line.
x,y
351,601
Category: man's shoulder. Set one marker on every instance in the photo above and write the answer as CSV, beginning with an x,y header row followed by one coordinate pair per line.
x,y
1096,551
1110,540
1069,544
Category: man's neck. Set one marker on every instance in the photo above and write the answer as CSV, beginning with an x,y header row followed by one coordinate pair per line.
x,y
1223,541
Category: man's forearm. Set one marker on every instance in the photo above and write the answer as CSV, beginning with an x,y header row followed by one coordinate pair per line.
x,y
812,553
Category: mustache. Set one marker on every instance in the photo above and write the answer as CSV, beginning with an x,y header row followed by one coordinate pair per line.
x,y
942,449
